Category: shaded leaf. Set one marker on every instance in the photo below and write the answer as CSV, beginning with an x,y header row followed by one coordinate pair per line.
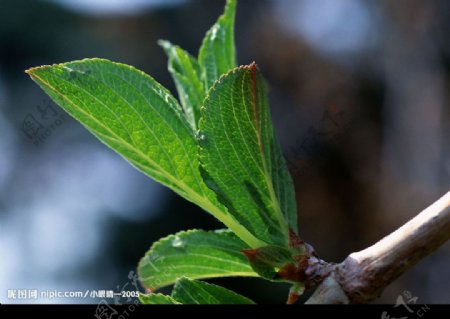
x,y
267,261
241,159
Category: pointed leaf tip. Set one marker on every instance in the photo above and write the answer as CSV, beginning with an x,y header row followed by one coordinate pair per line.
x,y
217,54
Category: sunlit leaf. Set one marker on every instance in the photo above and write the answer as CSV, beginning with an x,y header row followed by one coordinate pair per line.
x,y
186,74
137,117
217,54
157,299
197,254
187,291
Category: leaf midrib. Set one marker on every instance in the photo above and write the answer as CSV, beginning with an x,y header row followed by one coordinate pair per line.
x,y
267,176
263,171
209,275
225,260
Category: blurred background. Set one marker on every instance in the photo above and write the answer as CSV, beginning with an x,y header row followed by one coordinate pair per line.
x,y
360,100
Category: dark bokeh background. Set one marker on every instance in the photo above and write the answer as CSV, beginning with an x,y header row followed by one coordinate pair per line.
x,y
359,95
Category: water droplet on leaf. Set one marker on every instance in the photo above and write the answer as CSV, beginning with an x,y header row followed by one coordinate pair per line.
x,y
70,70
214,32
177,242
166,98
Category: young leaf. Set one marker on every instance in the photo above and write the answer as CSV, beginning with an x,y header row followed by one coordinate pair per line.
x,y
157,299
267,261
241,159
217,54
196,254
186,74
137,117
187,291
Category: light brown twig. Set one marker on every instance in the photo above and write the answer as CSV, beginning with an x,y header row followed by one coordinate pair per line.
x,y
363,275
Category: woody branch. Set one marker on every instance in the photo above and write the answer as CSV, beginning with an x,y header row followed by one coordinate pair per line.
x,y
363,275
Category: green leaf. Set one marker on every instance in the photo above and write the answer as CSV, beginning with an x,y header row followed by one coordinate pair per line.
x,y
189,292
196,254
157,299
267,261
137,117
186,74
217,54
241,159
